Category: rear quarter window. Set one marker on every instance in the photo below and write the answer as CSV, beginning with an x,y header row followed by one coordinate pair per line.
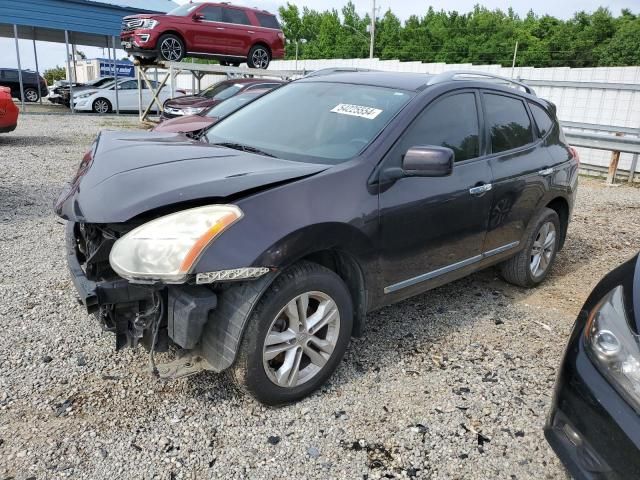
x,y
542,119
508,122
267,20
234,15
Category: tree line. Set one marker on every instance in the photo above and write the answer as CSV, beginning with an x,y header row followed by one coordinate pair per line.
x,y
481,36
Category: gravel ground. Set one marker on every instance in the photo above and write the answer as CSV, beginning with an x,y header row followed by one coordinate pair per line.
x,y
455,383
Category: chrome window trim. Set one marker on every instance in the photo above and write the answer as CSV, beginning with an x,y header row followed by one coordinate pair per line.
x,y
448,268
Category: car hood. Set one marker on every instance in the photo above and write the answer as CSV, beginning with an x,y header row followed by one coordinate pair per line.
x,y
191,101
128,173
189,123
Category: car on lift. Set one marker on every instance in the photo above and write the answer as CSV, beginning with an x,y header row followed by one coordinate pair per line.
x,y
8,111
103,99
261,247
594,420
213,95
35,86
194,126
220,31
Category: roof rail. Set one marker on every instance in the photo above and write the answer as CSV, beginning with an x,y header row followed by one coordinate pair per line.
x,y
482,76
330,70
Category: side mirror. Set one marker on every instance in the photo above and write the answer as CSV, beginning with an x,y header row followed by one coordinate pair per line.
x,y
197,17
428,161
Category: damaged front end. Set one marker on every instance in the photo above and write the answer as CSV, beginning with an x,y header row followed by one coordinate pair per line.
x,y
154,315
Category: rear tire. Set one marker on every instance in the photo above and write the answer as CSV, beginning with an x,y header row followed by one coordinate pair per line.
x,y
101,105
532,264
171,48
307,352
259,57
31,95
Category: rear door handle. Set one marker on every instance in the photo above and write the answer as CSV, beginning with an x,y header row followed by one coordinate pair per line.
x,y
219,28
480,189
545,172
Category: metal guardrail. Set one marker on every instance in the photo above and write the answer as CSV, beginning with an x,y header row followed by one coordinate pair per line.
x,y
601,128
634,87
604,142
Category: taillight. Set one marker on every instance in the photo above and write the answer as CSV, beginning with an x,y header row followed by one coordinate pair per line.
x,y
281,36
575,154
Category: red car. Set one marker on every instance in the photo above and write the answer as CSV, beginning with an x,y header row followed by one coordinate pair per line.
x,y
228,33
8,111
195,125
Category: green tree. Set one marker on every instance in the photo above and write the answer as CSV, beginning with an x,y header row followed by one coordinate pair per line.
x,y
53,74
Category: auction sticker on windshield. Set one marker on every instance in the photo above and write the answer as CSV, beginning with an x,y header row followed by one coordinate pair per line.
x,y
357,110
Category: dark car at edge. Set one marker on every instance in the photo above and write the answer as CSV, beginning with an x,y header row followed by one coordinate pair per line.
x,y
594,423
213,95
262,247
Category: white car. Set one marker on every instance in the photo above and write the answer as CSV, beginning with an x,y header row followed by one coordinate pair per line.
x,y
103,100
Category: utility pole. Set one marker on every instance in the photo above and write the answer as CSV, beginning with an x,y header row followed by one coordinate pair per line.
x,y
373,29
513,64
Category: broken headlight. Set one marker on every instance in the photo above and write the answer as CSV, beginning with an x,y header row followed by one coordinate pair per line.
x,y
165,249
614,347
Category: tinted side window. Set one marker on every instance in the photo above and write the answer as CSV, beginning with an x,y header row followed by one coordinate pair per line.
x,y
233,15
130,85
11,75
451,122
211,13
542,118
508,122
266,20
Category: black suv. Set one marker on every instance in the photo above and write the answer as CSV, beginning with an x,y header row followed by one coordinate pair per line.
x,y
263,248
34,85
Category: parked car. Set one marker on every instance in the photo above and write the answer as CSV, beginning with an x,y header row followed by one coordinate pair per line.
x,y
219,92
101,82
228,33
55,92
34,85
8,111
594,420
195,126
103,100
262,247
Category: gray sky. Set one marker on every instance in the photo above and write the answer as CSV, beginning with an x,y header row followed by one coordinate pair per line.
x,y
50,55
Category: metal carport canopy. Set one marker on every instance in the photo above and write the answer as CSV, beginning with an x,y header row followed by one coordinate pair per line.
x,y
88,22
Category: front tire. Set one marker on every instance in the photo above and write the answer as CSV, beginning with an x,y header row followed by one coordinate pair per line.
x,y
259,57
532,264
171,48
101,105
296,335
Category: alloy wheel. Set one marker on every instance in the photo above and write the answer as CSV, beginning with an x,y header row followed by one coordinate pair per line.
x,y
101,106
542,249
31,95
301,339
260,58
170,49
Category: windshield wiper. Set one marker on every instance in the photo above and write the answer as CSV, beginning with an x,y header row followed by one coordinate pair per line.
x,y
244,148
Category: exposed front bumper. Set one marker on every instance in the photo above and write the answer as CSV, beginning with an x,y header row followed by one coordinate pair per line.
x,y
93,294
593,430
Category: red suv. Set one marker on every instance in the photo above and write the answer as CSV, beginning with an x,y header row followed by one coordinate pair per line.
x,y
221,31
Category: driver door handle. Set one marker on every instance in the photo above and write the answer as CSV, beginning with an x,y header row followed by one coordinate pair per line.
x,y
219,28
480,189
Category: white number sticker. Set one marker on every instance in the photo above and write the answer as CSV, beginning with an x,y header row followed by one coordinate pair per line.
x,y
357,110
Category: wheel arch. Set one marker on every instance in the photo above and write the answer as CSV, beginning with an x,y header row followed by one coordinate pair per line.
x,y
177,34
261,43
561,206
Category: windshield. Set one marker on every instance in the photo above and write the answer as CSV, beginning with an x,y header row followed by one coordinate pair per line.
x,y
225,108
312,122
221,91
184,10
